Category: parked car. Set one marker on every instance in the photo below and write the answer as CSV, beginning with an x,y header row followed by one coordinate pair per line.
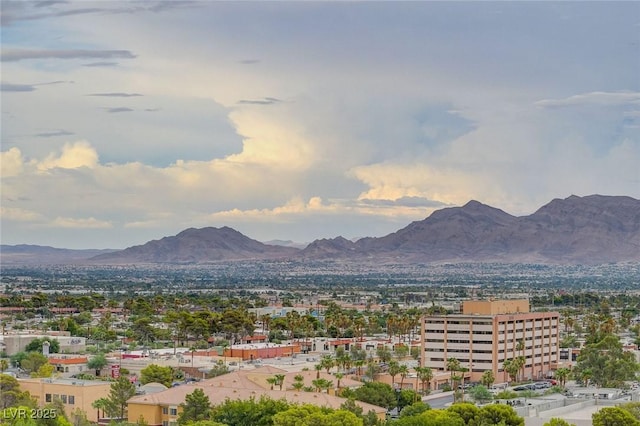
x,y
521,388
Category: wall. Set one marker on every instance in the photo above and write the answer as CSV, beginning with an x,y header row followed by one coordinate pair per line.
x,y
83,395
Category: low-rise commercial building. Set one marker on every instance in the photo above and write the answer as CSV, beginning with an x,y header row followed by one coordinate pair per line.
x,y
73,393
163,408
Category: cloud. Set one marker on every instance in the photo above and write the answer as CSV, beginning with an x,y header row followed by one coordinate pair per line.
x,y
18,11
55,133
88,223
12,55
101,64
12,162
592,98
116,94
73,156
405,201
46,3
19,215
119,109
8,87
264,101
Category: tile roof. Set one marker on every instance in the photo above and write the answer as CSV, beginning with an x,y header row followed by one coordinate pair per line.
x,y
246,384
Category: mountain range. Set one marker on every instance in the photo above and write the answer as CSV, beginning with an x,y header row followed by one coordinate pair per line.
x,y
576,230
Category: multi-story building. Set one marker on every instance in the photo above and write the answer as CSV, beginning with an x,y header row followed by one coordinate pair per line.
x,y
487,333
74,394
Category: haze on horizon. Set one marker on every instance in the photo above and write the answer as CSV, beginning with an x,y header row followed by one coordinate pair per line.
x,y
126,121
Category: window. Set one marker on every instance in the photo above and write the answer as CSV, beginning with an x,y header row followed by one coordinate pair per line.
x,y
165,423
173,411
72,399
64,398
47,397
165,410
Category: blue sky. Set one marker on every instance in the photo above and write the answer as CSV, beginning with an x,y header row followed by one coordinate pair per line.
x,y
129,121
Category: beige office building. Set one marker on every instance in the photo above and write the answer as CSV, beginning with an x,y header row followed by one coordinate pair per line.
x,y
73,393
487,333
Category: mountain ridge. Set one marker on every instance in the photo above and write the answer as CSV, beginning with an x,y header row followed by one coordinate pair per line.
x,y
591,229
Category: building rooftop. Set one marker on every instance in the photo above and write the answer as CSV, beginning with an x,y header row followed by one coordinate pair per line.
x,y
253,384
67,382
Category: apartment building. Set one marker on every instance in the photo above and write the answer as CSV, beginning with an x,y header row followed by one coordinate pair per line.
x,y
487,333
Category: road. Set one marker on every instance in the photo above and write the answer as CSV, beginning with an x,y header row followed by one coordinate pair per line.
x,y
441,400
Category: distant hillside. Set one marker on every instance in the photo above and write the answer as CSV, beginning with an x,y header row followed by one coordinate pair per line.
x,y
593,229
33,254
198,246
576,230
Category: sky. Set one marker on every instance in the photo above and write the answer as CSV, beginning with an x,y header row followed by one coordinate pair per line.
x,y
124,122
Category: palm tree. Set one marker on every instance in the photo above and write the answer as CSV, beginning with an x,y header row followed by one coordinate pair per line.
x,y
453,365
425,374
101,404
520,348
280,380
562,374
394,370
404,372
272,381
327,363
318,368
488,378
339,377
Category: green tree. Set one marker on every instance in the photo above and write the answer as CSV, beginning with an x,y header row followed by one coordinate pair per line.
x,y
196,407
153,373
280,380
36,345
431,418
414,409
561,375
97,363
498,414
311,415
376,393
468,412
45,370
605,363
512,367
394,370
121,391
10,394
558,422
33,361
249,412
614,416
480,394
79,418
488,379
104,407
632,407
425,375
271,381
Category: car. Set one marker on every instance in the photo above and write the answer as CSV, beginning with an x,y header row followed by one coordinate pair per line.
x,y
521,388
